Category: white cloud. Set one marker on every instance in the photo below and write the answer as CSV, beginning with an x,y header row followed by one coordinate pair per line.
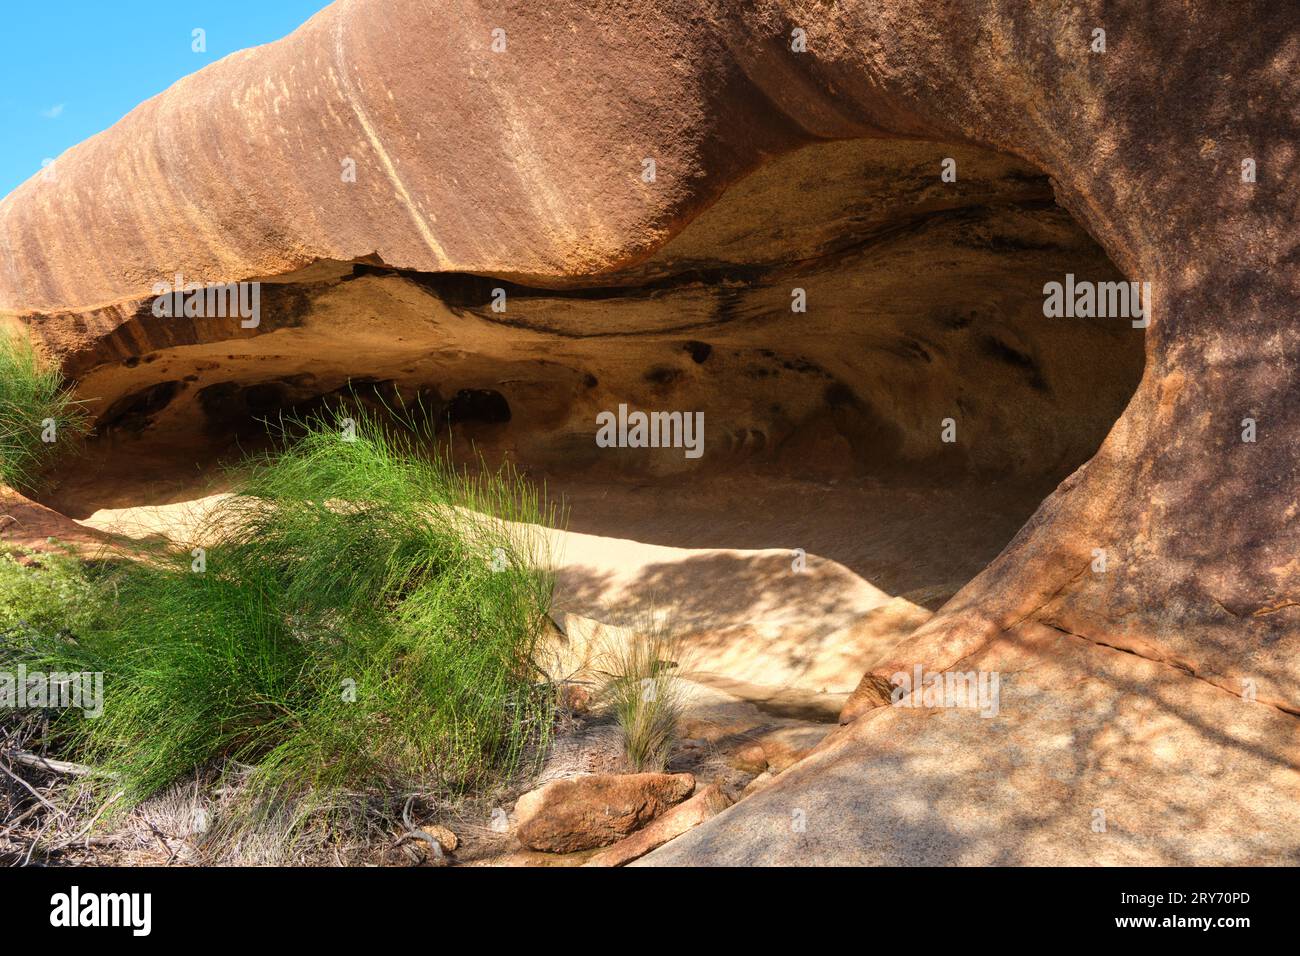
x,y
54,112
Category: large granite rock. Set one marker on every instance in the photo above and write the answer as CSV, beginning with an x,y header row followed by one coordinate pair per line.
x,y
594,810
1167,685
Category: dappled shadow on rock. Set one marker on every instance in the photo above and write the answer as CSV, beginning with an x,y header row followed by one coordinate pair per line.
x,y
1095,756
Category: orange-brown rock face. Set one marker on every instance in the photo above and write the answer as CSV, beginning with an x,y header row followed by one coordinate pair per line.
x,y
385,169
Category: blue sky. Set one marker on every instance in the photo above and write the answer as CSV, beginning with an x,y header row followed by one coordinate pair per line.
x,y
70,68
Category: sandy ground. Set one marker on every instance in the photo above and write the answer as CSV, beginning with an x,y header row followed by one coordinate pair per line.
x,y
785,590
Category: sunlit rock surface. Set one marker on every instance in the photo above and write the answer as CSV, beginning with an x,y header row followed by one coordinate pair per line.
x,y
1161,691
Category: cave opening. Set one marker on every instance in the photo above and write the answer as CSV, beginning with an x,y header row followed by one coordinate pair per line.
x,y
885,401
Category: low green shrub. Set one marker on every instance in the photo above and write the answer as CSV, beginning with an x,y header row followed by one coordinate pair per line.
x,y
361,622
38,416
639,687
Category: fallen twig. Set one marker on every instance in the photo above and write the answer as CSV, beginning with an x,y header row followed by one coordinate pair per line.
x,y
32,849
30,789
415,833
21,817
166,846
93,820
38,762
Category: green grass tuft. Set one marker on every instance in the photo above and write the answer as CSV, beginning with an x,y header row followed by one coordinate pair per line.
x,y
642,692
34,405
366,624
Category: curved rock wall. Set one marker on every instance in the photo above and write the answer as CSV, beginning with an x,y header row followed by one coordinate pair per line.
x,y
526,164
856,380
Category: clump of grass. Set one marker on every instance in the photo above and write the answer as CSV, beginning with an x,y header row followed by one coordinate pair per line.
x,y
42,594
363,626
34,406
641,691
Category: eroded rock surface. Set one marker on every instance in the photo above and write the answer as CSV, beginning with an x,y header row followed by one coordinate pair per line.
x,y
1096,757
1166,686
680,819
594,810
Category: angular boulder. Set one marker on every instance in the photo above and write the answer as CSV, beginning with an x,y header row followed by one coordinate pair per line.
x,y
581,813
705,805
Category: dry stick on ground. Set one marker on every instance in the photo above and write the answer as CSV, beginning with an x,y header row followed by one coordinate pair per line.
x,y
37,839
21,817
38,762
93,820
166,846
30,789
415,833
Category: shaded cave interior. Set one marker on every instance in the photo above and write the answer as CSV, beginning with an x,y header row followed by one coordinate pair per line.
x,y
823,428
